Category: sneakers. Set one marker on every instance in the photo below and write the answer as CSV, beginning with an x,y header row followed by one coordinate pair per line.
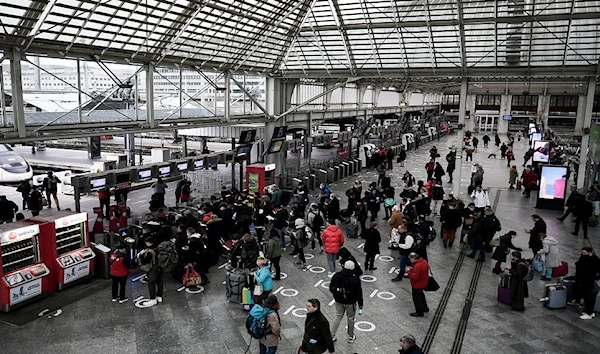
x,y
544,299
298,262
321,249
334,339
585,316
572,302
123,301
351,339
283,249
416,314
150,303
159,299
397,279
115,300
303,267
373,268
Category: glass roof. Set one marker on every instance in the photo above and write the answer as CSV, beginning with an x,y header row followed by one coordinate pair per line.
x,y
311,37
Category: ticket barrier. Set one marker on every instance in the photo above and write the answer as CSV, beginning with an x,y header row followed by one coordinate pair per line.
x,y
321,176
337,173
331,177
346,169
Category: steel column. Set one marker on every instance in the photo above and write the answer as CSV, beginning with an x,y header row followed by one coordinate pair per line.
x,y
462,108
150,95
3,94
79,103
227,97
585,141
17,93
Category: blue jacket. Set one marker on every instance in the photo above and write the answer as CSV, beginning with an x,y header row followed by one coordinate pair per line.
x,y
263,276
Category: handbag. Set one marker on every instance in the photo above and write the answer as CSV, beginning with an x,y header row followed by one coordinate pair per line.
x,y
258,290
191,277
389,202
538,263
432,284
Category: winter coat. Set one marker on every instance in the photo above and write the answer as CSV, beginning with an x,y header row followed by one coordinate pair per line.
x,y
333,209
534,240
481,199
419,274
349,281
512,176
272,339
412,350
333,239
249,252
119,265
451,219
263,276
35,201
439,172
518,286
273,248
501,251
372,239
395,220
316,330
587,271
345,255
281,219
552,252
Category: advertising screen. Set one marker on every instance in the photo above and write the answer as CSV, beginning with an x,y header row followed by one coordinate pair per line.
x,y
213,161
541,151
182,166
144,175
535,137
553,182
198,164
275,146
244,150
97,184
532,130
164,171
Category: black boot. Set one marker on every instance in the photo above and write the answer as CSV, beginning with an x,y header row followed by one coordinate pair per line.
x,y
445,244
472,255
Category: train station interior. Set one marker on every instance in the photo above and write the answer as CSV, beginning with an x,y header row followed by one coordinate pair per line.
x,y
239,96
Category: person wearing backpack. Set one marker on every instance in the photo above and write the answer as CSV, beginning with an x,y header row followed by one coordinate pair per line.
x,y
148,260
119,270
346,289
518,270
372,239
264,324
316,221
317,336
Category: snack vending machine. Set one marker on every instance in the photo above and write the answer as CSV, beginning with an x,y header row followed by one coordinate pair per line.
x,y
23,277
64,243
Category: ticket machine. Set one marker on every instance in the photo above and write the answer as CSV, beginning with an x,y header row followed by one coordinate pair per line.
x,y
65,247
23,276
258,176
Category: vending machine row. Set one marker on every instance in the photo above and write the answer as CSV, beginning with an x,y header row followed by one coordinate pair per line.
x,y
42,254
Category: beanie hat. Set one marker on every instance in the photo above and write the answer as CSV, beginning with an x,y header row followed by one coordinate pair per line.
x,y
299,223
349,265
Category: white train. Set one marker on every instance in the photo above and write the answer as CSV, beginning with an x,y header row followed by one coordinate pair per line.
x,y
13,167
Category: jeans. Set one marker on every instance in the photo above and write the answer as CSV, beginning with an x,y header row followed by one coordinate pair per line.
x,y
331,261
478,246
436,206
155,283
548,272
350,311
53,195
300,251
267,350
281,237
317,237
403,263
469,156
418,296
118,287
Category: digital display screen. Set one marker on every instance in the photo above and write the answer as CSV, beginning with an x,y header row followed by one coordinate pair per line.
x,y
535,137
97,184
541,151
275,146
144,175
164,171
123,177
241,150
213,161
198,164
182,166
507,117
553,182
532,130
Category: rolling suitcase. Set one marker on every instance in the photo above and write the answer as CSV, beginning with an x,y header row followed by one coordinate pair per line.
x,y
569,285
557,296
503,290
352,230
247,299
561,270
519,184
235,281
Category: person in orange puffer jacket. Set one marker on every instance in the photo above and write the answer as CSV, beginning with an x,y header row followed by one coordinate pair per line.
x,y
333,240
419,277
119,270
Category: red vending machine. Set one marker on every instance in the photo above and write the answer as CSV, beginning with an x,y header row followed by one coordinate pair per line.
x,y
24,278
258,176
64,243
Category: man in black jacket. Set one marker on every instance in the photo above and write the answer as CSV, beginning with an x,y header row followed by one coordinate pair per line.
x,y
317,336
489,226
347,292
451,221
570,203
333,208
539,227
280,221
587,271
583,209
8,208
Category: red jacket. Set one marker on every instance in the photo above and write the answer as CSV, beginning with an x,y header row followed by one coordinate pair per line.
x,y
419,274
529,177
333,239
118,265
185,193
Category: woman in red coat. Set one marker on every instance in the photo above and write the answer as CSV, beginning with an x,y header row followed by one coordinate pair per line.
x,y
419,277
333,240
186,191
119,270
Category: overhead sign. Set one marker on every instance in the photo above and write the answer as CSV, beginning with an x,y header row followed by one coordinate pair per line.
x,y
19,234
247,137
279,133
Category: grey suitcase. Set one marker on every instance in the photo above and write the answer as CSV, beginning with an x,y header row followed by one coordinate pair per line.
x,y
235,281
557,296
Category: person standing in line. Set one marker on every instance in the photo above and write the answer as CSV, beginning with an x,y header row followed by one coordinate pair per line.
x,y
408,345
419,277
587,272
8,208
316,221
333,240
583,210
518,270
570,203
372,239
437,198
486,140
347,293
119,270
160,188
280,221
50,185
35,201
178,189
552,252
148,257
262,277
317,336
405,244
24,188
535,243
273,252
268,344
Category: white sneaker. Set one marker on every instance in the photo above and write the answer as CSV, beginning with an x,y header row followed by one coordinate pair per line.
x,y
283,249
115,300
585,316
124,300
150,303
330,274
351,339
334,338
159,299
544,299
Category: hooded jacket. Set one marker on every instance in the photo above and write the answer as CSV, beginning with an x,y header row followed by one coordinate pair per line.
x,y
263,277
552,252
333,239
350,282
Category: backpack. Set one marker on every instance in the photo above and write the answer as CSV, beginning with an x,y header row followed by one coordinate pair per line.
x,y
530,272
495,242
318,221
309,235
340,288
418,241
432,235
256,322
144,265
167,256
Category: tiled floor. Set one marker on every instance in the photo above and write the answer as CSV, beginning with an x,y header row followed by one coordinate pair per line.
x,y
205,323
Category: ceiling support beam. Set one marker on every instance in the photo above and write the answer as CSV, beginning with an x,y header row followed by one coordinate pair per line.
x,y
252,98
566,50
291,36
461,31
335,7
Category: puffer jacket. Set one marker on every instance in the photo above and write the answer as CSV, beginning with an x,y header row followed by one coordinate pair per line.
x,y
333,239
551,251
273,248
263,277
